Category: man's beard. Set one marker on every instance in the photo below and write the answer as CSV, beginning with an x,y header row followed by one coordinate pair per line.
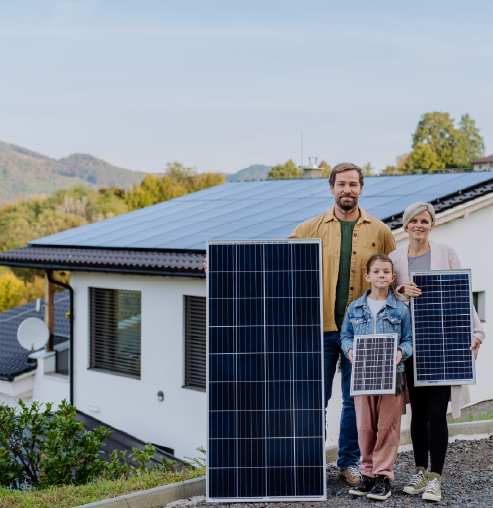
x,y
348,204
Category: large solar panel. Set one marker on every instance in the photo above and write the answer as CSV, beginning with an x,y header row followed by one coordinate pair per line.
x,y
443,328
265,371
374,369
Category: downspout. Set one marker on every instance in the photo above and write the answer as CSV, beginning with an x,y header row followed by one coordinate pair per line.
x,y
49,274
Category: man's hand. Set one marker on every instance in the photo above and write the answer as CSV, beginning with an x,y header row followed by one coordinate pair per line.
x,y
205,265
410,289
350,355
475,348
398,357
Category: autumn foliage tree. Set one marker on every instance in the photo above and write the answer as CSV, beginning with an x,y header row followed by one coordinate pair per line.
x,y
286,171
176,181
439,144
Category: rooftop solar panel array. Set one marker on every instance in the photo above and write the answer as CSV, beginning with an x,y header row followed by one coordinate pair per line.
x,y
265,371
443,328
249,210
374,369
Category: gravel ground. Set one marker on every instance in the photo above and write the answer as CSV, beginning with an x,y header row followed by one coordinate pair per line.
x,y
467,482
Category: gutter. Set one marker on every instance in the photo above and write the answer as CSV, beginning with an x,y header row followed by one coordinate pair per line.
x,y
49,274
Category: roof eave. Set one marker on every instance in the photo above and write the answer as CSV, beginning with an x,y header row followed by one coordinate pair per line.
x,y
449,202
460,211
105,269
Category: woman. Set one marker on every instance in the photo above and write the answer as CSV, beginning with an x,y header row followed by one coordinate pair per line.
x,y
429,431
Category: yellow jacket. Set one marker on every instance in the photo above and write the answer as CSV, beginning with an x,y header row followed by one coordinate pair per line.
x,y
370,236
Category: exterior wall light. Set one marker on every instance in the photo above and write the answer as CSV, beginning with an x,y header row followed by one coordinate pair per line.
x,y
160,396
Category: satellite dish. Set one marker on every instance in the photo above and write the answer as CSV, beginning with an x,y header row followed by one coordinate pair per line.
x,y
33,334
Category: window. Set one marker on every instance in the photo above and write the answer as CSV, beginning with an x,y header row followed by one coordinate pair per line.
x,y
478,300
195,342
115,331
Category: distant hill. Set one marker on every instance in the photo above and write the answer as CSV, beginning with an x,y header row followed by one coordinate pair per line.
x,y
23,172
255,172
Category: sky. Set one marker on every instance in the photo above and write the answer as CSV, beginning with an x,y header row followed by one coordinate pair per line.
x,y
221,84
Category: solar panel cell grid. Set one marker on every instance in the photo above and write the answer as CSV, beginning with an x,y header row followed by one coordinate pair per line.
x,y
265,379
374,369
442,328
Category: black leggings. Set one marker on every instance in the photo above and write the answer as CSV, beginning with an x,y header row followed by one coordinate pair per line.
x,y
429,430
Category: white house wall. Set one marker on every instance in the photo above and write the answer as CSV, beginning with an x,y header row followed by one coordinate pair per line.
x,y
129,404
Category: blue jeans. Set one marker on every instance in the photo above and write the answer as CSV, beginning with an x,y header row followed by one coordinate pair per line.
x,y
349,453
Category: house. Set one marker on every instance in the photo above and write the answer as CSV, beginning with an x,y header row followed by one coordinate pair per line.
x,y
139,289
484,164
38,376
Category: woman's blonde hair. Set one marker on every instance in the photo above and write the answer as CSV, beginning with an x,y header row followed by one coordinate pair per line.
x,y
415,209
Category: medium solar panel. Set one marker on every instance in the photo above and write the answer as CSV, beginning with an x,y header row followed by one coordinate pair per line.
x,y
374,369
265,371
443,329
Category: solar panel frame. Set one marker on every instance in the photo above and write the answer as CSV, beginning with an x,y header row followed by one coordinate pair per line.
x,y
443,382
323,497
356,344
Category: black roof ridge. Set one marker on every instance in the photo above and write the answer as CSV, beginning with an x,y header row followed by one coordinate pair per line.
x,y
440,205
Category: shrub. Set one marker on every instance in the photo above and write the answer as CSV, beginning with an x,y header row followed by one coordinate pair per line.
x,y
121,466
40,448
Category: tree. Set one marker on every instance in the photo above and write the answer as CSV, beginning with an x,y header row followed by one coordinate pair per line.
x,y
438,144
176,182
40,447
368,169
399,168
286,171
326,169
423,157
474,143
390,171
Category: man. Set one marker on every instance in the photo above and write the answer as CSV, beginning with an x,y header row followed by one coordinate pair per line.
x,y
349,238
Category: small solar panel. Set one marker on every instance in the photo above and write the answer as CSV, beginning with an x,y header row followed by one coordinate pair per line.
x,y
265,371
374,369
443,329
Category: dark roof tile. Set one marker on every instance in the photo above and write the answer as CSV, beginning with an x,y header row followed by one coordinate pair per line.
x,y
14,359
121,260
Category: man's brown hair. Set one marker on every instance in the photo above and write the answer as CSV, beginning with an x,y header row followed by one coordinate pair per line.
x,y
378,257
345,166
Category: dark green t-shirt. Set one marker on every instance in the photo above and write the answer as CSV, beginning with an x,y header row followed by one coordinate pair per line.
x,y
342,289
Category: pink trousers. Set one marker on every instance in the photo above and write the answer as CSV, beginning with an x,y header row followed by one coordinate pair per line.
x,y
378,418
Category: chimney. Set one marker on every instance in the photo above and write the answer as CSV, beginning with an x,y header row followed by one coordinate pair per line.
x,y
312,171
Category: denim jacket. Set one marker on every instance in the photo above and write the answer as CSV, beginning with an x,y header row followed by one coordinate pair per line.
x,y
394,317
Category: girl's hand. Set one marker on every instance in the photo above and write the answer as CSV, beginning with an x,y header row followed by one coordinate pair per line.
x,y
205,265
398,357
410,289
475,348
350,355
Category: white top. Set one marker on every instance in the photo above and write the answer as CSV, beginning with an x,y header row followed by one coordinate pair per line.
x,y
375,306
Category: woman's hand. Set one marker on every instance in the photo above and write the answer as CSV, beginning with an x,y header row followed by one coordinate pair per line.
x,y
398,357
475,348
350,355
410,289
205,265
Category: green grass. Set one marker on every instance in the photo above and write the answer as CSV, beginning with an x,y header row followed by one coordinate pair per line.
x,y
70,495
474,418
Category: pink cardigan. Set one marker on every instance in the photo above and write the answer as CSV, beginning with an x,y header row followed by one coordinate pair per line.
x,y
443,257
